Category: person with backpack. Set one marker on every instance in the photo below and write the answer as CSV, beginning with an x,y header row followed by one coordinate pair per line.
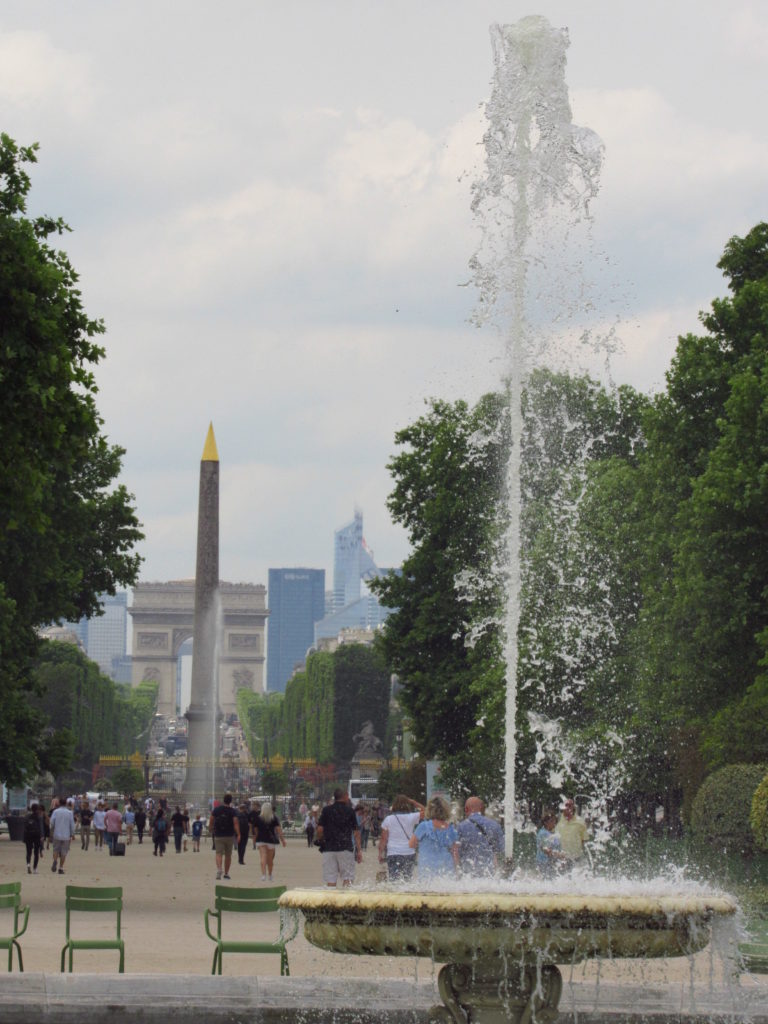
x,y
224,826
160,833
481,841
34,833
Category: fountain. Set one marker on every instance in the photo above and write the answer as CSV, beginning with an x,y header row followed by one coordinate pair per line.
x,y
500,947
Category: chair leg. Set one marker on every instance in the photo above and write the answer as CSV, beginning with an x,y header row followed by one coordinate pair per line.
x,y
63,954
215,958
18,951
121,968
284,969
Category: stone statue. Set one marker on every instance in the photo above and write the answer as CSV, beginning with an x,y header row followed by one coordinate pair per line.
x,y
367,744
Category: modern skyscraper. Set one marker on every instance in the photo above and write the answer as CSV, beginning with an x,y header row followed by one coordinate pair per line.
x,y
104,636
296,599
354,606
352,561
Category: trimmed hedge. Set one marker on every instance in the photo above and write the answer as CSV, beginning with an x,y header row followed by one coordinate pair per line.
x,y
723,804
758,818
322,708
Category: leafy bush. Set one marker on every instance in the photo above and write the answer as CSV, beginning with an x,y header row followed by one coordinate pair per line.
x,y
758,818
721,808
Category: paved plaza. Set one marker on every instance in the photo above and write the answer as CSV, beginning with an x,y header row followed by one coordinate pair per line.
x,y
165,897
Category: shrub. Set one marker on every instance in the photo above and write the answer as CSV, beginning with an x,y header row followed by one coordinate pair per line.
x,y
721,808
758,818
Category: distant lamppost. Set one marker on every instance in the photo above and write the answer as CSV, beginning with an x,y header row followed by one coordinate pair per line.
x,y
399,745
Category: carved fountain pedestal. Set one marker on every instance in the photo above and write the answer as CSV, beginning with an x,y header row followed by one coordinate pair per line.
x,y
500,950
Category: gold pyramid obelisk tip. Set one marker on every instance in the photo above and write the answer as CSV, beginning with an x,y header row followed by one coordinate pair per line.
x,y
210,451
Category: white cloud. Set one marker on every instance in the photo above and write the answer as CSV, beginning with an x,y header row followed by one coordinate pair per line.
x,y
659,160
35,75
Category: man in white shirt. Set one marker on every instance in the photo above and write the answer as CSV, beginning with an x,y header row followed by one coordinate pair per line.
x,y
62,833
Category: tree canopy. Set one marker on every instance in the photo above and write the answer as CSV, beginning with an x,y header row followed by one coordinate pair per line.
x,y
644,623
67,531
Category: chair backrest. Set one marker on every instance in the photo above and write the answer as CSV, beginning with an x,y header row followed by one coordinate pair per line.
x,y
247,901
10,896
94,898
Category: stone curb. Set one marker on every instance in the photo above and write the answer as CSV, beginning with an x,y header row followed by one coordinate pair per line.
x,y
150,998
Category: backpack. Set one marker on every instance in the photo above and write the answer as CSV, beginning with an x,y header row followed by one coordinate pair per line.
x,y
160,825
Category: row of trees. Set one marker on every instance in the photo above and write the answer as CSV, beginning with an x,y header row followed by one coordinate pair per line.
x,y
644,627
67,532
322,709
88,713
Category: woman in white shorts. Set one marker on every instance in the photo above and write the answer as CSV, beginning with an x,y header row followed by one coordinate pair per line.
x,y
268,835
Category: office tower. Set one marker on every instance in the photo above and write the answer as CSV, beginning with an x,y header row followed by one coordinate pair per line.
x,y
352,561
103,638
296,599
354,606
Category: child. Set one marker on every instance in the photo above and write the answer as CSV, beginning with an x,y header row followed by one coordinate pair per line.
x,y
197,831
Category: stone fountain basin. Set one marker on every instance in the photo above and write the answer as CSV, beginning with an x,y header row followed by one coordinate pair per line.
x,y
461,927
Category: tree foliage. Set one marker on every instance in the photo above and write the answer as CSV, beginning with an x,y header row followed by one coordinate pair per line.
x,y
643,636
66,531
86,713
722,807
322,707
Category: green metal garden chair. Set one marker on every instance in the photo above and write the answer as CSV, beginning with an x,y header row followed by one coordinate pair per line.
x,y
230,899
93,899
10,899
754,952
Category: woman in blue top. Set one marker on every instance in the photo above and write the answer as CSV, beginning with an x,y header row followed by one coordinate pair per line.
x,y
548,851
437,842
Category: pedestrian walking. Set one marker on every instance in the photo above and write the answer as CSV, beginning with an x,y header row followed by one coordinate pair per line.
x,y
159,833
141,823
268,835
242,843
225,829
129,820
98,825
86,817
62,833
339,839
437,841
113,827
177,824
34,833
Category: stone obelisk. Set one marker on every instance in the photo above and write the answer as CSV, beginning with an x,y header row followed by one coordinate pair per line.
x,y
204,778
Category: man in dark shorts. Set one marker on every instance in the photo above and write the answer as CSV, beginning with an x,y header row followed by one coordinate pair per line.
x,y
225,829
338,832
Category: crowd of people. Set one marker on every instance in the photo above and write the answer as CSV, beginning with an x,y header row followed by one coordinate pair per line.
x,y
415,841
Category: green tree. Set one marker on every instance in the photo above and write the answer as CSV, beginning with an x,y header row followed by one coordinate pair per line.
x,y
127,780
701,640
444,639
66,531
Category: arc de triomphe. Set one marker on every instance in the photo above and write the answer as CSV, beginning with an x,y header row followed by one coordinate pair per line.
x,y
163,616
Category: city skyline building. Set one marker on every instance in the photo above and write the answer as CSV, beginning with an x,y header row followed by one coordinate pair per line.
x,y
296,601
352,561
104,638
354,606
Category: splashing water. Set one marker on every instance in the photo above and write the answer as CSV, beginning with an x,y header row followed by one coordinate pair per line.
x,y
537,162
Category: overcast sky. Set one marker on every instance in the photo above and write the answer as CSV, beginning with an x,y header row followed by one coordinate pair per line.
x,y
270,211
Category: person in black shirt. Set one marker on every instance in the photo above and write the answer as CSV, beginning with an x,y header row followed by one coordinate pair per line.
x,y
242,843
86,817
338,832
225,828
177,824
141,822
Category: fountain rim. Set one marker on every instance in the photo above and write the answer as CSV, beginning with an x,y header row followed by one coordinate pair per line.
x,y
490,902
